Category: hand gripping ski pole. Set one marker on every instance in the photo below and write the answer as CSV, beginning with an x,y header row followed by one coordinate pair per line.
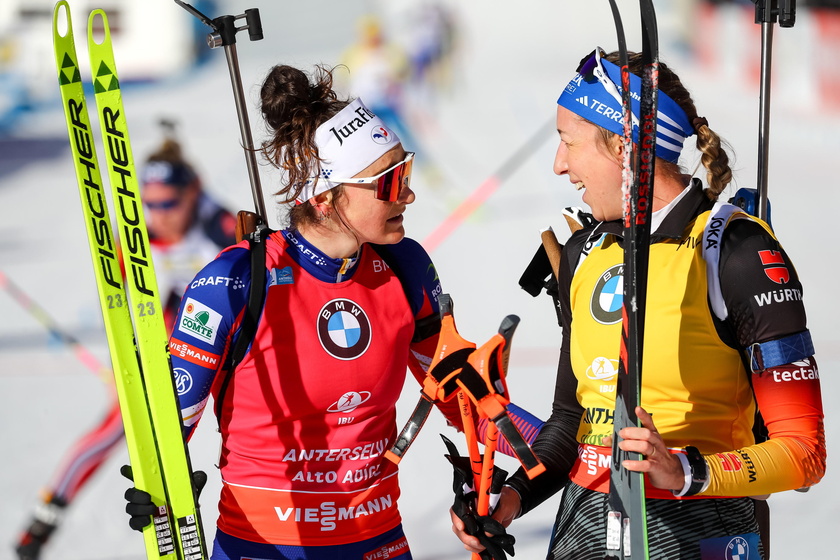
x,y
224,35
478,481
450,356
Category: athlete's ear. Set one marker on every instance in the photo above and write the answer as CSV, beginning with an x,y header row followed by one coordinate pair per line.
x,y
617,148
323,205
324,198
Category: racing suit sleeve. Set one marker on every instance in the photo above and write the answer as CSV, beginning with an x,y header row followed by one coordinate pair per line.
x,y
556,445
201,336
421,284
764,298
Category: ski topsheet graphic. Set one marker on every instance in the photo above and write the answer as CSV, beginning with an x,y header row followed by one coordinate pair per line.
x,y
131,309
627,516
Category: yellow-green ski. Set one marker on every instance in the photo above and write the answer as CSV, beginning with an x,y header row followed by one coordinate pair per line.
x,y
143,374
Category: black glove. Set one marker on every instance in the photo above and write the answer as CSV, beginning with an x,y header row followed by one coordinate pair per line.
x,y
498,542
140,507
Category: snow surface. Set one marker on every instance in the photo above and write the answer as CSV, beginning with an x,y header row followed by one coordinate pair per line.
x,y
514,62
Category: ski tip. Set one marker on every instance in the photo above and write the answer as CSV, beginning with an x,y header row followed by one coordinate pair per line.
x,y
100,28
62,23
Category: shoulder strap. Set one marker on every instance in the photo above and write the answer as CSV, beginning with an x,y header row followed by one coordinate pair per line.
x,y
719,217
256,300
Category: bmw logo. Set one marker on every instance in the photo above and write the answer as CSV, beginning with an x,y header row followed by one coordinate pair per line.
x,y
738,549
343,329
608,296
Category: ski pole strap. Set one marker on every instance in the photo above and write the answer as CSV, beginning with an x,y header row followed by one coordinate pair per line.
x,y
523,451
256,299
763,355
553,249
441,380
493,406
411,429
439,385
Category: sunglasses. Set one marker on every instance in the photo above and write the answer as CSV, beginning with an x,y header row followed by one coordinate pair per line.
x,y
389,183
168,204
592,69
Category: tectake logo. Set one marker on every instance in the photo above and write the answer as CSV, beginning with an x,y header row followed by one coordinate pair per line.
x,y
199,321
805,372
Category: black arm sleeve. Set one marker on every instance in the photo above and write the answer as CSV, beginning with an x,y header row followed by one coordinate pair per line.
x,y
556,445
759,284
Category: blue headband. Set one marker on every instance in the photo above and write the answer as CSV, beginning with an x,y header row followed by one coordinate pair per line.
x,y
175,174
591,100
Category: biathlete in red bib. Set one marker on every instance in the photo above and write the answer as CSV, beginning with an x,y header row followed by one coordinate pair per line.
x,y
307,414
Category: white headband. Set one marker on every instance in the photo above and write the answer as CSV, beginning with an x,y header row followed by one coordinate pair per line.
x,y
347,143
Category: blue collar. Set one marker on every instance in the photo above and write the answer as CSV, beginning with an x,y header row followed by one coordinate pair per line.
x,y
315,262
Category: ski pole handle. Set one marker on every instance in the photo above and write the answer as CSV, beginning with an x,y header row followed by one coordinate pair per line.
x,y
469,420
766,11
553,249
